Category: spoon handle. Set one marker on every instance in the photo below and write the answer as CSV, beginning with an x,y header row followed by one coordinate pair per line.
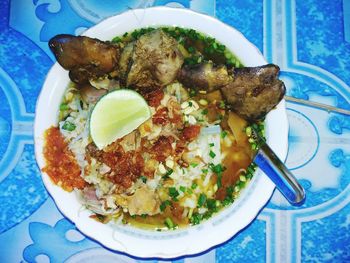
x,y
274,168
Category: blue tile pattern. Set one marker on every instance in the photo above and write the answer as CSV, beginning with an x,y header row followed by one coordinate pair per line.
x,y
5,123
333,245
23,191
346,14
40,233
252,239
238,13
307,39
57,12
18,55
321,36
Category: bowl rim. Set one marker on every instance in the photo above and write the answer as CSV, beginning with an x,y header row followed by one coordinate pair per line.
x,y
281,145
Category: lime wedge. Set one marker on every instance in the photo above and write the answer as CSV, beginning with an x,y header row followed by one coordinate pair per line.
x,y
117,114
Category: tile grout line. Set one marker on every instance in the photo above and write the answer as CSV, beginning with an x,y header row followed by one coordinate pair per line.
x,y
346,14
281,230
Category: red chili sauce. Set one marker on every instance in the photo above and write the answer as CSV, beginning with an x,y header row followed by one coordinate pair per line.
x,y
61,165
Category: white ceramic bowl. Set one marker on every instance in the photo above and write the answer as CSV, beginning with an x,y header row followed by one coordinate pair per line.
x,y
171,244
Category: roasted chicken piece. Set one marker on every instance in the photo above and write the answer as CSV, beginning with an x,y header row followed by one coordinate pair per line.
x,y
125,61
204,76
251,92
151,61
85,58
254,91
155,61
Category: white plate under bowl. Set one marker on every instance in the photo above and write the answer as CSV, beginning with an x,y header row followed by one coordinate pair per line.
x,y
182,242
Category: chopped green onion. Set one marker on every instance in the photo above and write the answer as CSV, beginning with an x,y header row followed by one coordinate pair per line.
x,y
167,174
164,204
229,191
221,47
162,207
143,215
201,200
143,178
139,32
194,186
249,176
222,105
192,92
211,204
217,168
211,144
241,184
191,49
237,64
196,218
219,180
227,201
64,107
169,223
250,169
194,165
205,111
68,126
248,131
205,171
173,193
193,60
182,189
212,154
223,134
251,140
228,55
116,39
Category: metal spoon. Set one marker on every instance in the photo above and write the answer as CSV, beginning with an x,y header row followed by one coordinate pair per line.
x,y
274,168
